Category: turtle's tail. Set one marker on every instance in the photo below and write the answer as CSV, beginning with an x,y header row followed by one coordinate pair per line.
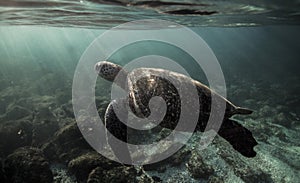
x,y
239,137
243,111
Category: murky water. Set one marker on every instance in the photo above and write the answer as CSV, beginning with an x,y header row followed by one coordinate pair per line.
x,y
257,45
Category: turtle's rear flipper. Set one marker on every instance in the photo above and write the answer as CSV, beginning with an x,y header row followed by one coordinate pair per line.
x,y
117,138
239,137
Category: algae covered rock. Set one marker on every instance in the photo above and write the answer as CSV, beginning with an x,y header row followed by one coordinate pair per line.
x,y
68,109
67,144
8,97
93,167
96,176
246,169
4,102
44,108
20,133
2,176
15,112
27,164
215,179
121,174
198,168
43,130
14,134
61,174
175,160
84,164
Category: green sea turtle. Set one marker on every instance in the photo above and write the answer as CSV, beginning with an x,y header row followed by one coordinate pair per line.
x,y
145,83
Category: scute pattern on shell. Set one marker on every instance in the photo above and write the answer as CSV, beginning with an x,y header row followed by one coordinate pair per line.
x,y
142,89
147,87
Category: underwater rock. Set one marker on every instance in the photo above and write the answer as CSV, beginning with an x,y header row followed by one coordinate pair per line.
x,y
27,164
250,102
10,95
96,176
47,109
121,174
67,144
42,112
179,157
215,179
63,97
257,177
144,177
241,167
156,179
61,174
267,111
174,160
42,131
68,109
14,134
14,112
59,113
282,119
2,176
4,102
198,168
84,164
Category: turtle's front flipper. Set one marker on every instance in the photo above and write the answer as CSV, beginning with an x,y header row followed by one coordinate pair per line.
x,y
239,137
117,129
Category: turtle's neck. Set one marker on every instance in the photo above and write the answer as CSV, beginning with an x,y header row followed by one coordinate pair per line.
x,y
121,78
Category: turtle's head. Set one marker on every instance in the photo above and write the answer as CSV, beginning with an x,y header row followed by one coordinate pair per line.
x,y
107,70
